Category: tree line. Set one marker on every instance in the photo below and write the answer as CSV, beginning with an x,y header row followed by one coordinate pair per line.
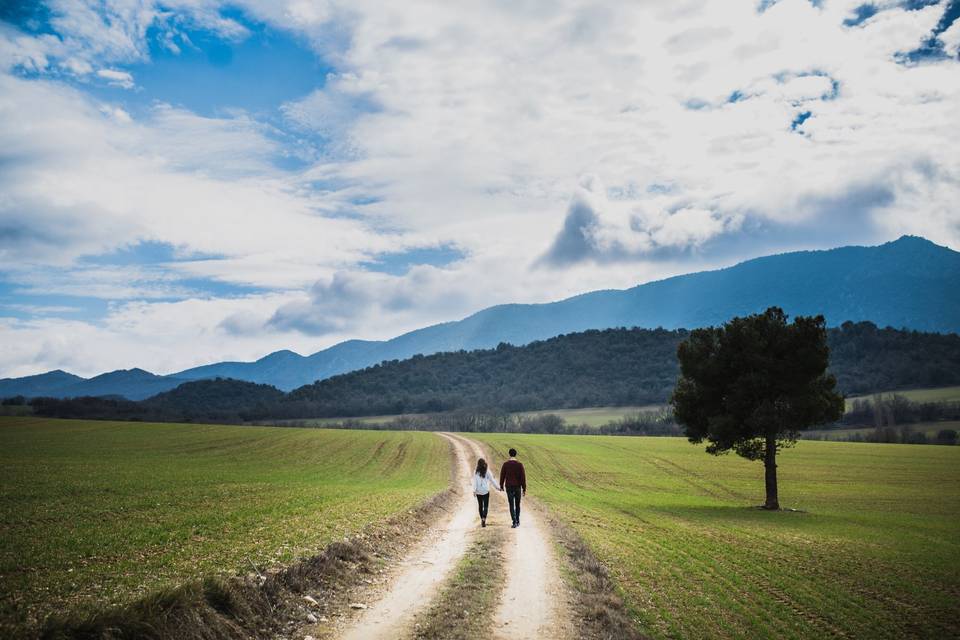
x,y
613,367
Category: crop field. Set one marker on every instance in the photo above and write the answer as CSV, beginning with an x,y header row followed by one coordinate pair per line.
x,y
365,420
97,513
939,394
597,416
930,429
593,416
873,553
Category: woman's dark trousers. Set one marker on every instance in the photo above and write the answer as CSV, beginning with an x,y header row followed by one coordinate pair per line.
x,y
483,501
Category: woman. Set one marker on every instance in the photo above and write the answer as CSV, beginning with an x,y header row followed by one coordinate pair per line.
x,y
482,479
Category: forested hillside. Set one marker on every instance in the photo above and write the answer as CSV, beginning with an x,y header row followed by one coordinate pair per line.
x,y
909,284
592,368
598,368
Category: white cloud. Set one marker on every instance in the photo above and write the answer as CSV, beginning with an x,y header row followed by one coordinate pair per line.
x,y
164,337
117,78
478,125
349,300
95,181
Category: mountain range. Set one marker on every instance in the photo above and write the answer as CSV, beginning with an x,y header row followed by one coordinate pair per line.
x,y
908,283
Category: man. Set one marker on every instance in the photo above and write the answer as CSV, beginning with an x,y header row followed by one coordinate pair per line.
x,y
514,481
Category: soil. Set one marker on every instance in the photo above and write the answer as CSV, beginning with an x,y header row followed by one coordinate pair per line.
x,y
534,600
416,580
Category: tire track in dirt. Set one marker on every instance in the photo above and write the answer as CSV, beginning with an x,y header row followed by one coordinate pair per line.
x,y
418,578
535,601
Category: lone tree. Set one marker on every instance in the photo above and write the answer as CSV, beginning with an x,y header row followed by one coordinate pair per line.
x,y
753,384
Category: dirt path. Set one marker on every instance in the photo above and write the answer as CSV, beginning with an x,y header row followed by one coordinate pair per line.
x,y
535,603
424,571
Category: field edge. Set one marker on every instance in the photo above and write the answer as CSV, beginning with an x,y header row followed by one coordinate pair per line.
x,y
257,605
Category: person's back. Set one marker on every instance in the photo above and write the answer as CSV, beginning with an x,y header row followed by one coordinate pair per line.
x,y
482,479
513,480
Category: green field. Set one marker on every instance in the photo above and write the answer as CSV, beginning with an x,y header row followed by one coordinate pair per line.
x,y
597,416
940,394
96,513
592,416
929,428
325,422
874,554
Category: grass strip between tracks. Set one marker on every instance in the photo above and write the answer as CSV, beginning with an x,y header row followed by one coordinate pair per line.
x,y
465,605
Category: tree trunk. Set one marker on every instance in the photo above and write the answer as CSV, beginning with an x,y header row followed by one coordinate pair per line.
x,y
770,465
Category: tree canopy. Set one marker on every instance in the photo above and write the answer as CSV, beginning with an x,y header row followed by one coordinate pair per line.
x,y
753,384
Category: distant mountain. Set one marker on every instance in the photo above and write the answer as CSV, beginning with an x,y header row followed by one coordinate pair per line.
x,y
909,283
43,384
591,368
133,384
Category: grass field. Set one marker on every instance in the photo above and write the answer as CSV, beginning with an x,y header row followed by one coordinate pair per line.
x,y
941,394
593,416
929,428
96,513
597,416
323,422
874,554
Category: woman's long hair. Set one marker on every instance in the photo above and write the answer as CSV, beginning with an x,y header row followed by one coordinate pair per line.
x,y
481,467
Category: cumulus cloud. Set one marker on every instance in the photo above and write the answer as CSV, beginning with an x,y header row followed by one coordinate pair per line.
x,y
91,33
117,78
93,181
354,299
595,228
161,336
474,125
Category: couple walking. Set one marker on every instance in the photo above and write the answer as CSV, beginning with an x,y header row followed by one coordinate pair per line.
x,y
512,480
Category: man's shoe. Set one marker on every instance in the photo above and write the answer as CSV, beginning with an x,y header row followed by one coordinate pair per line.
x,y
513,526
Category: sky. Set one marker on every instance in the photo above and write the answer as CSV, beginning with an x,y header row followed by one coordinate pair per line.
x,y
189,181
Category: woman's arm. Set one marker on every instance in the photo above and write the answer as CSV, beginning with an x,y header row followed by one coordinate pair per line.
x,y
493,480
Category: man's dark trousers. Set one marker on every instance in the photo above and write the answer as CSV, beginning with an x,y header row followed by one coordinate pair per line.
x,y
513,497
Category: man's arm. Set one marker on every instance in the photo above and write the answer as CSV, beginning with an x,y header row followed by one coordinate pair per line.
x,y
503,468
523,479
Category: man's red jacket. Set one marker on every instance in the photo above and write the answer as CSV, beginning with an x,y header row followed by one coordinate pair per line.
x,y
512,475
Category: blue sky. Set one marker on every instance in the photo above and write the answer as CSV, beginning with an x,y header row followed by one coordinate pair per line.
x,y
185,182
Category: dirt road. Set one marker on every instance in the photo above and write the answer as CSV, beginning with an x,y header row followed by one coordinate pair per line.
x,y
424,570
533,600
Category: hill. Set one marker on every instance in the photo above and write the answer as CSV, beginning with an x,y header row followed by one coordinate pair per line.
x,y
219,399
43,384
613,367
133,384
909,283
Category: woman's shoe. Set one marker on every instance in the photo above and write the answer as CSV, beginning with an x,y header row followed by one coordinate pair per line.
x,y
483,522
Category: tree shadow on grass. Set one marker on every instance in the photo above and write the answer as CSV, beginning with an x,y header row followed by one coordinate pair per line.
x,y
744,514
